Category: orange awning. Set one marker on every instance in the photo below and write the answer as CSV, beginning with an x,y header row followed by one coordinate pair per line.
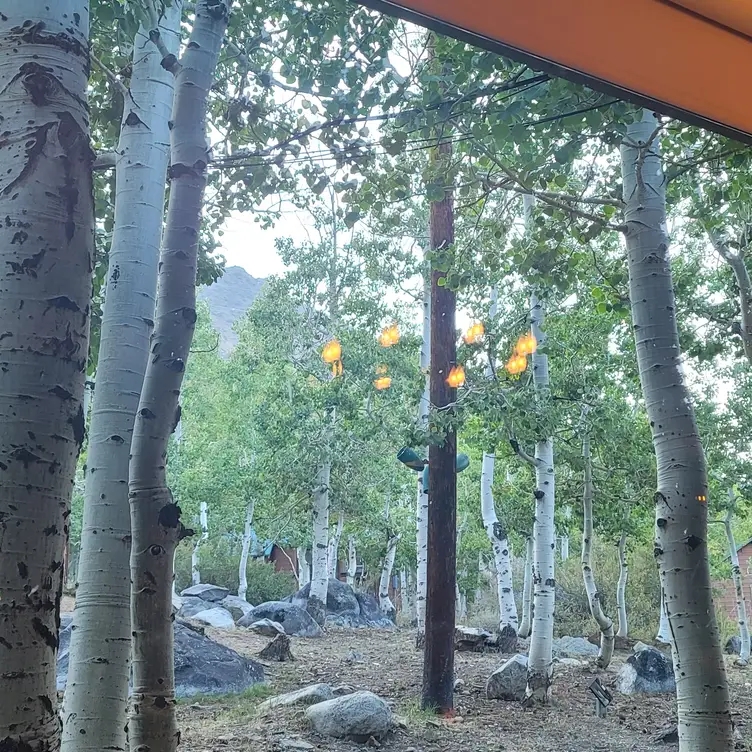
x,y
690,59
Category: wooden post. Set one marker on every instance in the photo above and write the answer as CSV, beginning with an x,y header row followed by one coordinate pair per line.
x,y
438,661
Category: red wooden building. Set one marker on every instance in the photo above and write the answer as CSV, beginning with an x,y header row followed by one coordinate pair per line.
x,y
724,592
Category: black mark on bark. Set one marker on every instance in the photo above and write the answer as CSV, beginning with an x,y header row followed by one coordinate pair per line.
x,y
44,632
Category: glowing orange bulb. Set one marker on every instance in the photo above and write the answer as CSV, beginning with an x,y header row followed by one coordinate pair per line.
x,y
526,344
383,382
332,351
456,377
516,364
389,336
474,333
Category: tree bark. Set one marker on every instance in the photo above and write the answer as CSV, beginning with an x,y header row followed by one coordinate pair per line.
x,y
564,547
438,662
385,602
704,718
352,561
155,517
621,587
47,210
421,515
736,575
245,549
195,563
664,629
319,567
497,534
540,661
605,624
332,556
304,570
527,590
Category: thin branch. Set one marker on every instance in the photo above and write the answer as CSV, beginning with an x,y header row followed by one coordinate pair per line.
x,y
169,61
522,454
114,80
105,161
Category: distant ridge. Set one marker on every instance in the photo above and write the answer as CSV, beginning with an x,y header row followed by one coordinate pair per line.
x,y
228,299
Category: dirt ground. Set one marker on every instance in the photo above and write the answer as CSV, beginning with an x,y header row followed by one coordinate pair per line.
x,y
389,665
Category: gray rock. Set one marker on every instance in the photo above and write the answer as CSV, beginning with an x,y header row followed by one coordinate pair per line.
x,y
306,696
574,647
207,592
295,744
191,606
63,652
340,598
509,681
472,639
342,689
360,716
215,617
646,671
237,607
733,645
267,627
202,666
66,619
293,619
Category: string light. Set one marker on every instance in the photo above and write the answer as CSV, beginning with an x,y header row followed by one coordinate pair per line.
x,y
474,333
332,353
383,382
389,336
456,377
526,345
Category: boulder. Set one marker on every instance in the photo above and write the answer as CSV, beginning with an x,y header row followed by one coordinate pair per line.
x,y
509,681
205,667
574,647
202,666
217,617
359,716
267,628
207,592
293,619
733,645
340,598
191,606
647,670
309,695
236,606
63,651
620,643
472,639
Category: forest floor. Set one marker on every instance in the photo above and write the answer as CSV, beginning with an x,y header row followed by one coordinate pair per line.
x,y
389,665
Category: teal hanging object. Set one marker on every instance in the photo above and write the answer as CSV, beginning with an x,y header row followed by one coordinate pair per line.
x,y
410,458
461,463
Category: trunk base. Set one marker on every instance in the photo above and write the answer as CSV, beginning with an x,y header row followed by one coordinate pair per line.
x,y
278,650
317,609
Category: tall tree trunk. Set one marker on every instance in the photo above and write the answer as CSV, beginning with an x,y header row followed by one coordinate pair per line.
x,y
46,205
155,517
385,602
704,716
352,561
540,661
438,658
527,590
304,569
736,575
319,566
245,549
497,534
203,517
564,549
605,624
421,515
621,587
332,556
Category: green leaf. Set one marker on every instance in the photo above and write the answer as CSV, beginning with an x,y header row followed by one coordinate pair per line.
x,y
351,218
560,180
435,192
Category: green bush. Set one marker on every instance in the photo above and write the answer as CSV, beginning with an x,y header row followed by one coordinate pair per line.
x,y
219,560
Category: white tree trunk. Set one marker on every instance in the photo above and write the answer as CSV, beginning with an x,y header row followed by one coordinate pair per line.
x,y
332,556
741,601
527,590
703,706
352,561
621,587
421,515
564,547
47,245
605,624
155,517
540,660
385,602
664,628
319,566
304,570
204,524
246,547
497,534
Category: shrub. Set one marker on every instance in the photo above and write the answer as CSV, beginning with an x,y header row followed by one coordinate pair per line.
x,y
219,560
